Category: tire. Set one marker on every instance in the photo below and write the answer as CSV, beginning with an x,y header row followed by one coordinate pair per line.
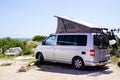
x,y
40,58
78,63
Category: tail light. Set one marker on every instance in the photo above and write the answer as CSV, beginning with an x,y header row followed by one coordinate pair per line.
x,y
92,52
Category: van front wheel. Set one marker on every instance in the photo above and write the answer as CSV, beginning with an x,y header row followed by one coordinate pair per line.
x,y
78,63
40,58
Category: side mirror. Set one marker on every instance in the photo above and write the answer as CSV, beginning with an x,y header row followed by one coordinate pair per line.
x,y
43,42
112,42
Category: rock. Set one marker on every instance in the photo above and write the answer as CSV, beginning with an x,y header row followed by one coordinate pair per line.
x,y
5,64
13,51
22,69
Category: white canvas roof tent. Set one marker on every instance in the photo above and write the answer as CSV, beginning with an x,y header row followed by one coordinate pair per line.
x,y
69,25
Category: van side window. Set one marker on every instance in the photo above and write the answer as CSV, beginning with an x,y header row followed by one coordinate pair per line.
x,y
50,40
81,40
75,40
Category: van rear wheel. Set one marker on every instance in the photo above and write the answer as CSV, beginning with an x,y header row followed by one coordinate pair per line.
x,y
78,63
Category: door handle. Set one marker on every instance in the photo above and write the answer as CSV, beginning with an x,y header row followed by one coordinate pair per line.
x,y
83,52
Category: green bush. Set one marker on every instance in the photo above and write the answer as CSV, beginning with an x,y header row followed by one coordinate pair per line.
x,y
38,38
27,51
1,55
119,44
6,43
33,45
112,52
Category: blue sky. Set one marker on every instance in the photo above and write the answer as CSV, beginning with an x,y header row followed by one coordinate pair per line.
x,y
27,18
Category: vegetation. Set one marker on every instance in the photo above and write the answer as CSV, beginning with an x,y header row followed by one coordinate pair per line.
x,y
113,52
114,60
1,55
38,38
7,43
119,43
33,44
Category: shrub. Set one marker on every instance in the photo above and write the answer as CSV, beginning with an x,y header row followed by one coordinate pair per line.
x,y
7,43
33,45
27,51
1,55
114,60
38,38
119,44
112,52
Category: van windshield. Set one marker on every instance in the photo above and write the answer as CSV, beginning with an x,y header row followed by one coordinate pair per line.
x,y
101,41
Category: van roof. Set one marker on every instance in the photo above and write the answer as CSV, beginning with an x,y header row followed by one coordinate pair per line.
x,y
70,25
72,33
78,21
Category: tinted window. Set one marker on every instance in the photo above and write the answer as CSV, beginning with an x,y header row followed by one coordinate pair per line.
x,y
101,40
76,40
50,40
97,40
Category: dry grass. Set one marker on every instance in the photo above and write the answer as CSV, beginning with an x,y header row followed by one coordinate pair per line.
x,y
115,60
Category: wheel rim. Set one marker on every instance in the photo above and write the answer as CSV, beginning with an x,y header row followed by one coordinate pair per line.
x,y
78,64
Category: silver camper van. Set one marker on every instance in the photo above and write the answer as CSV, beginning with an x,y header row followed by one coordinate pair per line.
x,y
78,49
82,47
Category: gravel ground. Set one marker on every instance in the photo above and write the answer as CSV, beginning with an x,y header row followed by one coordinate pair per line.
x,y
55,71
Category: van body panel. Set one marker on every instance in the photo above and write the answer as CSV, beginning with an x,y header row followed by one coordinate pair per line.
x,y
66,53
48,52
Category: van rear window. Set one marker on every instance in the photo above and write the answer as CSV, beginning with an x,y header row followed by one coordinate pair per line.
x,y
101,40
76,40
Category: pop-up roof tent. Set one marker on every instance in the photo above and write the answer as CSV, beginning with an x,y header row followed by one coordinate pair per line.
x,y
68,25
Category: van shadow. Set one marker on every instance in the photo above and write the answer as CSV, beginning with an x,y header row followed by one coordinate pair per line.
x,y
68,69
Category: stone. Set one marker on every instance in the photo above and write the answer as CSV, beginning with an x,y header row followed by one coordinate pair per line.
x,y
22,69
13,51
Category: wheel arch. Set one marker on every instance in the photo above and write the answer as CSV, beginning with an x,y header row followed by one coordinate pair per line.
x,y
78,63
37,54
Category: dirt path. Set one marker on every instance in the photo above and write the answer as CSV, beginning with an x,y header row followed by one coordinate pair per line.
x,y
52,71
